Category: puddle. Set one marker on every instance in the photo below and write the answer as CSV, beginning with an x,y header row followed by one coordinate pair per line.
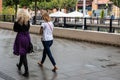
x,y
110,65
90,66
107,58
103,59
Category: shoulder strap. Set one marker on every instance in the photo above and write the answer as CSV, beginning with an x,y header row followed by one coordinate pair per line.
x,y
50,26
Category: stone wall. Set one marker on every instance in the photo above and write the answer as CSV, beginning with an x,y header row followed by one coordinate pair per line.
x,y
75,34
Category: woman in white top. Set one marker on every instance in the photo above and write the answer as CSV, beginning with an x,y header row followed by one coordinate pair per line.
x,y
47,40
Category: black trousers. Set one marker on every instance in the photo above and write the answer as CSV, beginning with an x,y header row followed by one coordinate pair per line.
x,y
23,61
47,51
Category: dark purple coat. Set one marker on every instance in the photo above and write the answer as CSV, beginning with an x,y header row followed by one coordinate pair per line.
x,y
22,40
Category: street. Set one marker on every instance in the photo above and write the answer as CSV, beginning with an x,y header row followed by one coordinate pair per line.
x,y
75,60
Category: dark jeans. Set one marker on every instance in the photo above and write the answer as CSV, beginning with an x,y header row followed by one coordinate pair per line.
x,y
47,51
23,60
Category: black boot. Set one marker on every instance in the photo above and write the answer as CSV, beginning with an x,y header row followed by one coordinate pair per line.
x,y
18,66
26,74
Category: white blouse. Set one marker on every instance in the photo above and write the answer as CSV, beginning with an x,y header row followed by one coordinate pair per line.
x,y
47,31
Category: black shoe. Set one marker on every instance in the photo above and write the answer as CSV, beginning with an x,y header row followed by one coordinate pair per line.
x,y
19,68
26,74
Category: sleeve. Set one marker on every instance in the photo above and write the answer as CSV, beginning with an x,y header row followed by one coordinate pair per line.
x,y
42,25
15,27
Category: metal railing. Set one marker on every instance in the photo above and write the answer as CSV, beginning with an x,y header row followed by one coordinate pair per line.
x,y
97,24
7,18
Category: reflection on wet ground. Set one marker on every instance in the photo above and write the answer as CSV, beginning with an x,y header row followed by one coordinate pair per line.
x,y
76,60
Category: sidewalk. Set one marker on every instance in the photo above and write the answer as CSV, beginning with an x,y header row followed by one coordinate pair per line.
x,y
75,60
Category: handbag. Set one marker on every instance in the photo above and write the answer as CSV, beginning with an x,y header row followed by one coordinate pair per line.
x,y
30,49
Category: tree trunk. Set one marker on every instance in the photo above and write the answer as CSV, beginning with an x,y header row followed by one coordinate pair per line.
x,y
35,11
16,10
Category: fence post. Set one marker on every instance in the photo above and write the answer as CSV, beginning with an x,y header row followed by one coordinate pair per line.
x,y
98,28
75,22
13,17
118,22
64,21
110,29
85,27
97,20
4,18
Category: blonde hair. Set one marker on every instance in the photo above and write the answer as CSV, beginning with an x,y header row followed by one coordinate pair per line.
x,y
23,17
46,17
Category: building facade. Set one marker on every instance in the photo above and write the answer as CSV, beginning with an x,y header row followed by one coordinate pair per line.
x,y
101,4
0,6
116,11
107,5
88,4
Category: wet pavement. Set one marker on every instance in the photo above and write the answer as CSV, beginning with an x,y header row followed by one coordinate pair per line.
x,y
75,60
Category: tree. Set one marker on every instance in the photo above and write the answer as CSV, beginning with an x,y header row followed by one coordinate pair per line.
x,y
59,4
25,3
20,2
8,2
7,6
16,2
102,16
116,2
42,4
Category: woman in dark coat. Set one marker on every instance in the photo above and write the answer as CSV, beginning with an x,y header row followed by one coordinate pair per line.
x,y
22,41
